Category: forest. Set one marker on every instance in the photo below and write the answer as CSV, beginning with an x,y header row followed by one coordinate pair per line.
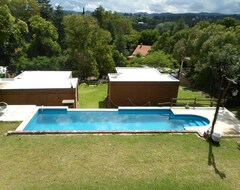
x,y
34,35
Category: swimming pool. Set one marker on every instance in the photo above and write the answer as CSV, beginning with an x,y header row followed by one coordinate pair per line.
x,y
111,120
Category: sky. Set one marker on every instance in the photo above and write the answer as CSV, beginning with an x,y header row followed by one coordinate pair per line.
x,y
153,6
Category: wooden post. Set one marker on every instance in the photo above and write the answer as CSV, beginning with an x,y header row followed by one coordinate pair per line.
x,y
195,101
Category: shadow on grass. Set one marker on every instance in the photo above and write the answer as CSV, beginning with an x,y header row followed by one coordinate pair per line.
x,y
236,111
102,104
211,159
186,88
189,89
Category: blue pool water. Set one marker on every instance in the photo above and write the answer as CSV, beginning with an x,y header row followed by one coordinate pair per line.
x,y
122,120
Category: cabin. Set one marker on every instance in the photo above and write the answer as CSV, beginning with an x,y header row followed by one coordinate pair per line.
x,y
47,88
139,86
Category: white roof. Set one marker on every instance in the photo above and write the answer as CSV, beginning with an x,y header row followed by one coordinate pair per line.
x,y
139,74
41,80
44,75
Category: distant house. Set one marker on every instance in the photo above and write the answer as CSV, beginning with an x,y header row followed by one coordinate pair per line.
x,y
138,86
143,50
48,88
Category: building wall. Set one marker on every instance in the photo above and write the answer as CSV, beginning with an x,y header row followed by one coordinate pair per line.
x,y
39,97
141,93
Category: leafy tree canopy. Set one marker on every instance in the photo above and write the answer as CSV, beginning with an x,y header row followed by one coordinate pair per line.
x,y
44,38
157,59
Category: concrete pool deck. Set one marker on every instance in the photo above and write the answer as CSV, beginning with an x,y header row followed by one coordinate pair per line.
x,y
227,124
18,112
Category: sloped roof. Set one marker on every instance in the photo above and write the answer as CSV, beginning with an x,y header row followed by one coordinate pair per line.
x,y
142,50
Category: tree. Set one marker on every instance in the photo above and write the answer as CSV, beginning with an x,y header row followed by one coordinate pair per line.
x,y
80,42
180,25
155,59
4,2
119,59
132,41
103,52
216,52
80,30
37,63
121,45
166,27
84,64
99,14
12,41
58,15
228,22
46,10
148,37
24,9
6,23
104,58
162,42
44,38
180,49
89,46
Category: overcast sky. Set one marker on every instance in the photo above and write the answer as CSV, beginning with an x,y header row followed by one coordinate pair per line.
x,y
154,6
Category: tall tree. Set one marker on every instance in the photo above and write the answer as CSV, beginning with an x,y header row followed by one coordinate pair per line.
x,y
215,52
89,45
99,14
58,23
79,33
12,42
44,38
46,10
121,44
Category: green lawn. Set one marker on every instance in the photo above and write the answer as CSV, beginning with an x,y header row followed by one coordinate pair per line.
x,y
92,96
185,92
117,162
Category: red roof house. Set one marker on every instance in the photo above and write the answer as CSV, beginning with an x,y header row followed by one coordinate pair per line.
x,y
143,50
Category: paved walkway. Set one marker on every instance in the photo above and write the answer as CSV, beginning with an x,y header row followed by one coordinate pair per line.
x,y
226,124
17,112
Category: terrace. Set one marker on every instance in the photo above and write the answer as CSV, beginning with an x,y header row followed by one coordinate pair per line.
x,y
160,161
227,125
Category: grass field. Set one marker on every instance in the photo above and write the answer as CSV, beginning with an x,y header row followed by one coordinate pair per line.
x,y
175,162
92,96
184,92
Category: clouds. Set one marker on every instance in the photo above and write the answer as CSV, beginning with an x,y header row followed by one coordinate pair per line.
x,y
154,6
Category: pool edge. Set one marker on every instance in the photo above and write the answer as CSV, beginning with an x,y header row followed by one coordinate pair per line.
x,y
20,131
9,133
